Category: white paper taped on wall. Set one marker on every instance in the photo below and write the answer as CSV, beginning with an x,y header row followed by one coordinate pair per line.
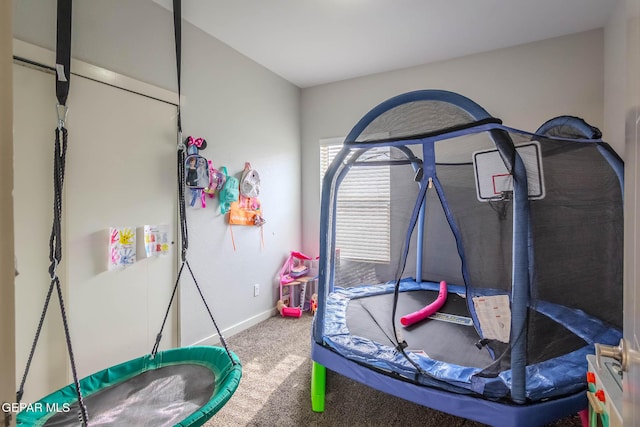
x,y
156,240
122,247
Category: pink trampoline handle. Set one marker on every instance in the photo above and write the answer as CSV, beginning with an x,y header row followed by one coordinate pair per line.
x,y
419,315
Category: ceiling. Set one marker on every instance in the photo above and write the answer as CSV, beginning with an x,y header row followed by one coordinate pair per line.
x,y
312,42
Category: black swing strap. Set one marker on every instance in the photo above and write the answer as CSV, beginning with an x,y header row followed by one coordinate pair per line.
x,y
177,31
401,343
63,75
177,28
63,51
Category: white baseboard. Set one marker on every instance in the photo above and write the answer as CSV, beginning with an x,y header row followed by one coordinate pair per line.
x,y
237,328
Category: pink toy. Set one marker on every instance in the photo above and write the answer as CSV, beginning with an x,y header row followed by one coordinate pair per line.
x,y
419,315
288,311
293,274
294,267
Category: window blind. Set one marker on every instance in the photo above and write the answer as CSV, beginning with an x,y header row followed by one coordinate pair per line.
x,y
363,208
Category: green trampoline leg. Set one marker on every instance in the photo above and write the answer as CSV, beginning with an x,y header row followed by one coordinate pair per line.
x,y
318,381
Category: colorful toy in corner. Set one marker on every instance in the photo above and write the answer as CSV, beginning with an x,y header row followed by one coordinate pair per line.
x,y
294,267
294,275
196,170
313,306
288,311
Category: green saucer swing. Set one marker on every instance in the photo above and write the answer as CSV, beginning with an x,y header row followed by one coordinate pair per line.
x,y
178,387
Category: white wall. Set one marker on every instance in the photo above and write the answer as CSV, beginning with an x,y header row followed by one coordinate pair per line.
x,y
245,112
523,85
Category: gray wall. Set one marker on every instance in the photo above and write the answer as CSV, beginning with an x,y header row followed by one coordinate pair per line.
x,y
523,85
615,77
245,112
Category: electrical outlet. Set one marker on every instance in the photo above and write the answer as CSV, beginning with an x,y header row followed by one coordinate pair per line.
x,y
256,290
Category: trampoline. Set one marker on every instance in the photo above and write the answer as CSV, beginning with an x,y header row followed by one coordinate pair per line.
x,y
525,229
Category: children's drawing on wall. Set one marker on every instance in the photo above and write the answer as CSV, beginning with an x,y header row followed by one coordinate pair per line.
x,y
122,247
156,240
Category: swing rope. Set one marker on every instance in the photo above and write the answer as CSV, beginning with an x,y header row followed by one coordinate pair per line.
x,y
184,229
63,63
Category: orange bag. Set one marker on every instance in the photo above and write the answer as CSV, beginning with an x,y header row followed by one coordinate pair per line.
x,y
246,211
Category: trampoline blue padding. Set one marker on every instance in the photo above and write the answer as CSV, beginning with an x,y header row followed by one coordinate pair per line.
x,y
496,414
554,376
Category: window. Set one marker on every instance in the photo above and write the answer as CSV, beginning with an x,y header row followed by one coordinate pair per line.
x,y
363,209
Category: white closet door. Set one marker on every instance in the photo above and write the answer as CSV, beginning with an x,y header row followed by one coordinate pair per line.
x,y
120,171
33,124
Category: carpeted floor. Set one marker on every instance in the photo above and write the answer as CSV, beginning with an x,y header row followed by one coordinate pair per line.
x,y
274,390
